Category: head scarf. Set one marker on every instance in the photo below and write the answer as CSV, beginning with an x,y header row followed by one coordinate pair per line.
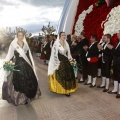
x,y
10,55
54,61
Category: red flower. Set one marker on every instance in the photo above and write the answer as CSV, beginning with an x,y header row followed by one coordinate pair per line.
x,y
92,22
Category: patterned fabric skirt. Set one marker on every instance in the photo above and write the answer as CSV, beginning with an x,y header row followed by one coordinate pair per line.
x,y
13,96
63,80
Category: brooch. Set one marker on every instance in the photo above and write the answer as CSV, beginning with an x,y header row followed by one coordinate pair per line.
x,y
17,47
59,45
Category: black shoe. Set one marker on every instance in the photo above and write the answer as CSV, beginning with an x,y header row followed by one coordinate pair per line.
x,y
98,76
92,86
118,96
46,64
87,84
80,81
68,95
105,90
26,103
100,86
110,92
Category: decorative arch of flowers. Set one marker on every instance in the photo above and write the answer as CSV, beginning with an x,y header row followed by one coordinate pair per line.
x,y
97,20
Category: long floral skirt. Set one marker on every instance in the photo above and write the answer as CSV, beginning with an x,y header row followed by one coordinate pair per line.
x,y
63,80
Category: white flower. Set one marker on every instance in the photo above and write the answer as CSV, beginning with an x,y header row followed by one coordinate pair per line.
x,y
79,24
13,63
10,62
112,22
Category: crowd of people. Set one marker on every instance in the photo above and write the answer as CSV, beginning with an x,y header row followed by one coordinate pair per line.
x,y
42,46
95,59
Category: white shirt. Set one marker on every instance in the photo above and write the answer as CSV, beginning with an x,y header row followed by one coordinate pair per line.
x,y
90,47
104,49
117,45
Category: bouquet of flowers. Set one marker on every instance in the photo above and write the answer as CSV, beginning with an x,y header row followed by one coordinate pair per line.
x,y
9,66
73,62
74,65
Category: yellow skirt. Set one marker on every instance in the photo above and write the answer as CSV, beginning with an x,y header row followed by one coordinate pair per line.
x,y
54,86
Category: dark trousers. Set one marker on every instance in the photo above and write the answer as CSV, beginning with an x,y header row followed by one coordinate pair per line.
x,y
116,72
84,66
106,67
92,69
100,63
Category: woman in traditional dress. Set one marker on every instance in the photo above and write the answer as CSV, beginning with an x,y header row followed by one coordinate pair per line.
x,y
60,71
20,87
38,48
46,51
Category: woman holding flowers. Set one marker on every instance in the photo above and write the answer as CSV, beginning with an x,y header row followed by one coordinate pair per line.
x,y
20,80
60,71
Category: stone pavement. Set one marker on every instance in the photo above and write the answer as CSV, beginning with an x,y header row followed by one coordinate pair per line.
x,y
85,104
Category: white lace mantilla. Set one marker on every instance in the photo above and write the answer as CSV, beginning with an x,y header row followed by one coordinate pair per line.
x,y
54,61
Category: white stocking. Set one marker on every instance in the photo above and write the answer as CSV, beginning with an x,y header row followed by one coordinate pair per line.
x,y
103,81
94,81
107,83
115,86
89,79
81,79
119,89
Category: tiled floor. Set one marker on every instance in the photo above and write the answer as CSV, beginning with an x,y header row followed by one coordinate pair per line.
x,y
85,104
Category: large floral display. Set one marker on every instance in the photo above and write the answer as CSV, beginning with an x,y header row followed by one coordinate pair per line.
x,y
97,17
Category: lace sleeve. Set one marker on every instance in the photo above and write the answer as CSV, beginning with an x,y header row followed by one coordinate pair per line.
x,y
9,56
10,53
54,61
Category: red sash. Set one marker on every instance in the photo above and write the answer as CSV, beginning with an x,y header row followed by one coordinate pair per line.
x,y
94,59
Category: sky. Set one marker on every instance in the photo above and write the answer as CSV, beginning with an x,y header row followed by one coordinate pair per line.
x,y
30,14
